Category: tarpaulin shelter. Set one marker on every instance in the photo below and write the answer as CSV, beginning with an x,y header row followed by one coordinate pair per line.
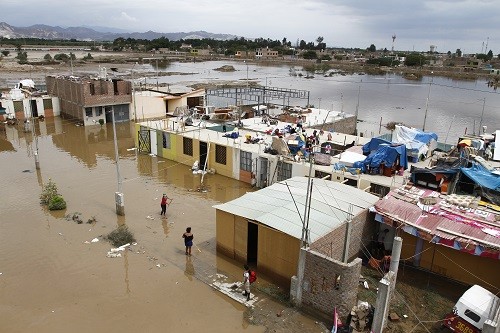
x,y
483,177
387,155
373,145
417,142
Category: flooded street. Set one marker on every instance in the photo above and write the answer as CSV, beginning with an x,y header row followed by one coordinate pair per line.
x,y
53,279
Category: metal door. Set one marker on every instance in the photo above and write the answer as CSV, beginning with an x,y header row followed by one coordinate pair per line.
x,y
144,141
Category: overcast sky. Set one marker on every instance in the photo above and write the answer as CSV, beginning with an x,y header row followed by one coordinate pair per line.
x,y
417,24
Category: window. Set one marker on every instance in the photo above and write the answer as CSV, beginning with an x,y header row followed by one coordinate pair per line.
x,y
187,146
88,112
379,190
92,89
98,111
166,140
245,161
472,315
220,154
285,171
47,103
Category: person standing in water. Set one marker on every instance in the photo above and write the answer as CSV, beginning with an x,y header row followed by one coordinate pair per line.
x,y
163,204
246,282
188,240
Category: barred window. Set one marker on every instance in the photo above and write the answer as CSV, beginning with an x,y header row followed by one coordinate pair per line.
x,y
285,171
220,154
47,103
18,106
166,140
245,161
187,146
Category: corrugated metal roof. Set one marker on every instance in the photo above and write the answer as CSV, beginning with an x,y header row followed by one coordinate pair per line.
x,y
464,230
274,206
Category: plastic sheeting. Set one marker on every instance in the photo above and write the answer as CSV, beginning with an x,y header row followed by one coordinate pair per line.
x,y
482,176
403,134
373,145
388,155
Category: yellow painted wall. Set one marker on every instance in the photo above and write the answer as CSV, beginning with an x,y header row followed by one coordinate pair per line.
x,y
171,153
278,255
221,169
454,264
224,233
180,156
240,238
136,136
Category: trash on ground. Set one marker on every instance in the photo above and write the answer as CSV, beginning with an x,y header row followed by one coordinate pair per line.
x,y
115,253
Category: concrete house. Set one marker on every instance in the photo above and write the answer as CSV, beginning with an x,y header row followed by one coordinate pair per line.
x,y
91,99
157,103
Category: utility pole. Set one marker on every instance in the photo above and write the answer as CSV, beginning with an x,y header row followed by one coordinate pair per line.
x,y
133,93
33,131
427,102
120,205
482,113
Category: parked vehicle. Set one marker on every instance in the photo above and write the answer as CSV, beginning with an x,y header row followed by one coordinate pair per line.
x,y
471,311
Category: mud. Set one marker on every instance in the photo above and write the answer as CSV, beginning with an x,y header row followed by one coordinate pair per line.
x,y
54,279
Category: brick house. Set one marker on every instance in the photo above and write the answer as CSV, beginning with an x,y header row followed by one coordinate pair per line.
x,y
91,99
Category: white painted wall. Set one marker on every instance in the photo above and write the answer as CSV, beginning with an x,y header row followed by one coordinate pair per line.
x,y
147,106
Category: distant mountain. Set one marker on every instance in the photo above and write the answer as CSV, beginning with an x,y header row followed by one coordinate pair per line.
x,y
86,33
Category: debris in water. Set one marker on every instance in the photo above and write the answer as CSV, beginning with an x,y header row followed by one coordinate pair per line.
x,y
130,149
95,240
158,265
150,217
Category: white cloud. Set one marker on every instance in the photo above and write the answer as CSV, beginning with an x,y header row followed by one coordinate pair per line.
x,y
449,24
127,17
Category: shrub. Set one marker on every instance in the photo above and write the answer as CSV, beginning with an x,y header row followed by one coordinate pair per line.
x,y
120,236
48,192
57,203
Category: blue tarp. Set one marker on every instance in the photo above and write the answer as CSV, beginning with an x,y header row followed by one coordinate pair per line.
x,y
387,154
482,176
426,137
373,145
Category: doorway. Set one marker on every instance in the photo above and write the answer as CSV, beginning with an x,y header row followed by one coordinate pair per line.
x,y
34,110
203,154
252,242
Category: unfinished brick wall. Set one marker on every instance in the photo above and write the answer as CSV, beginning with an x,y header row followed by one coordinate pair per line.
x,y
329,283
345,125
363,228
77,94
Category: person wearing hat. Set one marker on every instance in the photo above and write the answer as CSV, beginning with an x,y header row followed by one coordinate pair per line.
x,y
163,204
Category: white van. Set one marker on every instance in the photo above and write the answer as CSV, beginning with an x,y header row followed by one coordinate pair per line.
x,y
472,309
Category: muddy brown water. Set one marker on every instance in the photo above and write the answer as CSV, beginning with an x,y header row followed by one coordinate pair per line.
x,y
52,281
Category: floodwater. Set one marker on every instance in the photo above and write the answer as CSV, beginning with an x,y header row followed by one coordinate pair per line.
x,y
53,279
453,106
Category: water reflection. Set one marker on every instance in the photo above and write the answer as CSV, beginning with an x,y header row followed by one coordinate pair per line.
x,y
166,226
189,271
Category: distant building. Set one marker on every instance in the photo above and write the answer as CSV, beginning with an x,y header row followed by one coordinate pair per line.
x,y
245,54
92,99
266,53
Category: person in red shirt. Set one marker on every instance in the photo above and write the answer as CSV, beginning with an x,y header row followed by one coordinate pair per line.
x,y
163,204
